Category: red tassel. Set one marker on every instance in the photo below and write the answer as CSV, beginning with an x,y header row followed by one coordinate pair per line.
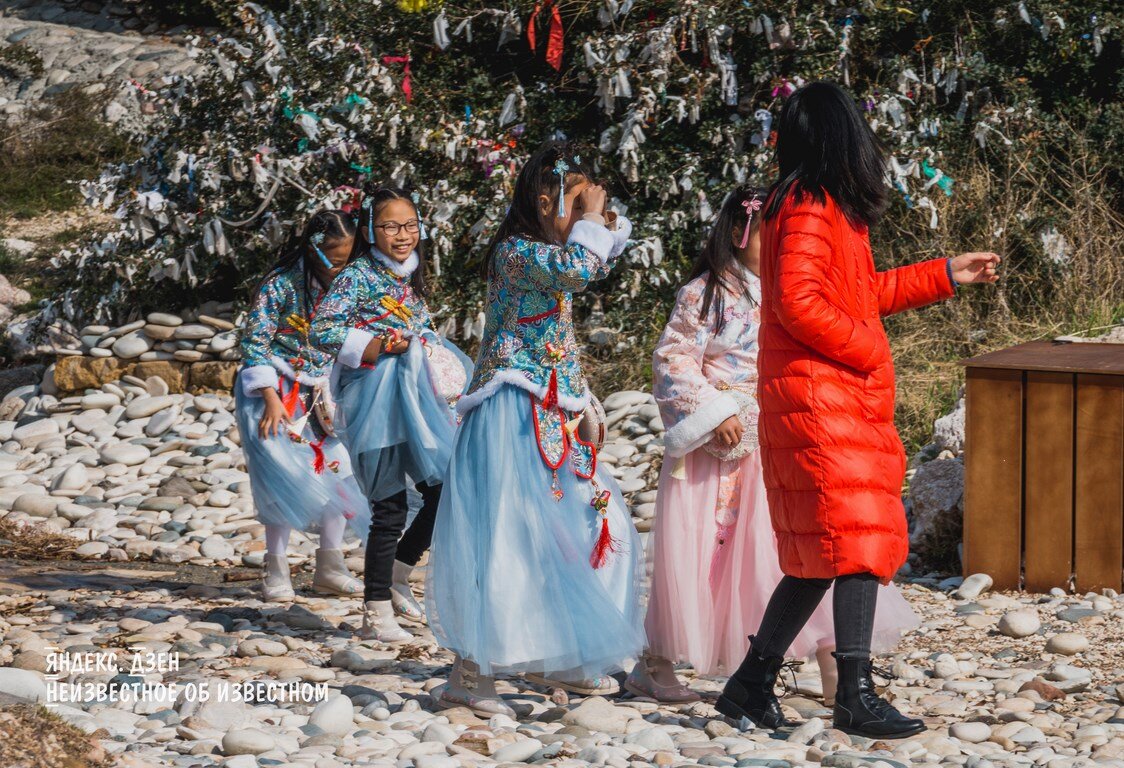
x,y
556,39
318,462
554,47
551,399
606,545
290,399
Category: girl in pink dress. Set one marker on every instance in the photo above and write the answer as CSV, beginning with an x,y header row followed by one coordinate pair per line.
x,y
714,554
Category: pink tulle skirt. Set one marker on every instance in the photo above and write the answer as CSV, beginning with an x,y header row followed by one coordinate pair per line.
x,y
706,597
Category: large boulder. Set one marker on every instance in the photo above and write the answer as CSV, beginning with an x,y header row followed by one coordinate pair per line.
x,y
76,373
948,430
936,525
174,374
18,377
212,377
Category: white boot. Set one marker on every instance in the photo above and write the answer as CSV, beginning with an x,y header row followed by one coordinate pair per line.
x,y
468,688
405,604
379,624
276,587
332,576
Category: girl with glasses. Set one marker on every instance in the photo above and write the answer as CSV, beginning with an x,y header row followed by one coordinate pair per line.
x,y
398,384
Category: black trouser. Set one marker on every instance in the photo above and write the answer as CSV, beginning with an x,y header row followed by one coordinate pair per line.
x,y
388,518
794,600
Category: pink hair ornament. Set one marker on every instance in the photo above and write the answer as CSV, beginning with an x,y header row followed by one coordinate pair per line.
x,y
750,206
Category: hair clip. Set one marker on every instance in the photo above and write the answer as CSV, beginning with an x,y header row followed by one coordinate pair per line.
x,y
366,206
315,240
750,206
417,209
577,159
560,168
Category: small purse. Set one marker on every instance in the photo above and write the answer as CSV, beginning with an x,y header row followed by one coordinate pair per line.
x,y
747,415
449,375
323,408
591,429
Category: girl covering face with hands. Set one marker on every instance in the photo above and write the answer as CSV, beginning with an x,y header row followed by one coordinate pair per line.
x,y
535,563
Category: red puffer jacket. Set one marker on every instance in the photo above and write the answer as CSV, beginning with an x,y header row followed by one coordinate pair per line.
x,y
834,463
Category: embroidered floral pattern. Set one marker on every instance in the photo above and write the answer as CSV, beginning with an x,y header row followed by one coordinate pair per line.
x,y
367,295
530,304
692,361
277,326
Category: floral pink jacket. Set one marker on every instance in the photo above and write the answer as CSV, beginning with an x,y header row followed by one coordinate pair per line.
x,y
694,365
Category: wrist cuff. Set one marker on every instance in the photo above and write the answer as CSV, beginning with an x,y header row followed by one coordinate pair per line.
x,y
353,347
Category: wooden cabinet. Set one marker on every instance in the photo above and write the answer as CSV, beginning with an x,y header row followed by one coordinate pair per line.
x,y
1044,466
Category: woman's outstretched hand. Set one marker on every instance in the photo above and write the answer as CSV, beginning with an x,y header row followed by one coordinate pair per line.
x,y
975,268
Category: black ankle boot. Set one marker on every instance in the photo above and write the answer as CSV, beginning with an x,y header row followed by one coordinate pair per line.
x,y
749,691
860,711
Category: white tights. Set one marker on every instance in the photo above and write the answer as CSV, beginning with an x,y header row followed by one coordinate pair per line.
x,y
332,528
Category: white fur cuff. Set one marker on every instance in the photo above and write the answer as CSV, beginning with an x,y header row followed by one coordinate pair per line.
x,y
353,347
256,378
696,429
620,237
593,237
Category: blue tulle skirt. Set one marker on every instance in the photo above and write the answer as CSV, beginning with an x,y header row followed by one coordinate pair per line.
x,y
286,488
511,586
398,430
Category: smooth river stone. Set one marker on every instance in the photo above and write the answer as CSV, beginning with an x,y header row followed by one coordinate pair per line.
x,y
136,325
131,345
159,332
194,331
163,318
102,400
128,454
161,422
75,478
146,406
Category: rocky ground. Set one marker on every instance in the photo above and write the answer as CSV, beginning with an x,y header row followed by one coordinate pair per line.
x,y
102,49
1002,680
148,489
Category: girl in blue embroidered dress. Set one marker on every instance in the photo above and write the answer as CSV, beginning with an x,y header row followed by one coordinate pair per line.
x,y
300,474
398,382
534,557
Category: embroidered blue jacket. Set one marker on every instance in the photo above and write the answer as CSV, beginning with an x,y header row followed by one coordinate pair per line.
x,y
529,327
276,335
366,298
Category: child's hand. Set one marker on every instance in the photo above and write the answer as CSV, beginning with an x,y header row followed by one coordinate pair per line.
x,y
397,347
975,268
592,199
274,416
729,432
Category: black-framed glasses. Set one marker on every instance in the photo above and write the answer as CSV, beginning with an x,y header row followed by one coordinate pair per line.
x,y
392,228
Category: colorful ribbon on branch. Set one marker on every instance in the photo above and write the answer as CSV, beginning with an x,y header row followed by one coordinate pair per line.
x,y
555,40
407,88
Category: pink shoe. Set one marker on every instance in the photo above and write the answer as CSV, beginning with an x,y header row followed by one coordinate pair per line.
x,y
642,683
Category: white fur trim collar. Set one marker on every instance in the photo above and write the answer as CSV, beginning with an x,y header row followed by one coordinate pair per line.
x,y
517,379
400,269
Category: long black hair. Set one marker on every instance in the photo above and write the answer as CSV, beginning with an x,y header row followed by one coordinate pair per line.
x,y
375,196
719,259
826,147
333,225
536,178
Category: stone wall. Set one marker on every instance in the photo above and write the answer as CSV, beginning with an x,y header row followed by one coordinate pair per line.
x,y
192,351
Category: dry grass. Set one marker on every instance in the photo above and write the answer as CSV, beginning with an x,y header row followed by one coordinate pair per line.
x,y
1036,298
35,541
34,737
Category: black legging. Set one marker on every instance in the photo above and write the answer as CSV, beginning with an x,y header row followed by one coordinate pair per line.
x,y
794,600
388,518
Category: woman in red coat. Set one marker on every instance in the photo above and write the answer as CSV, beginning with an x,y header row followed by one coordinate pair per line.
x,y
833,461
